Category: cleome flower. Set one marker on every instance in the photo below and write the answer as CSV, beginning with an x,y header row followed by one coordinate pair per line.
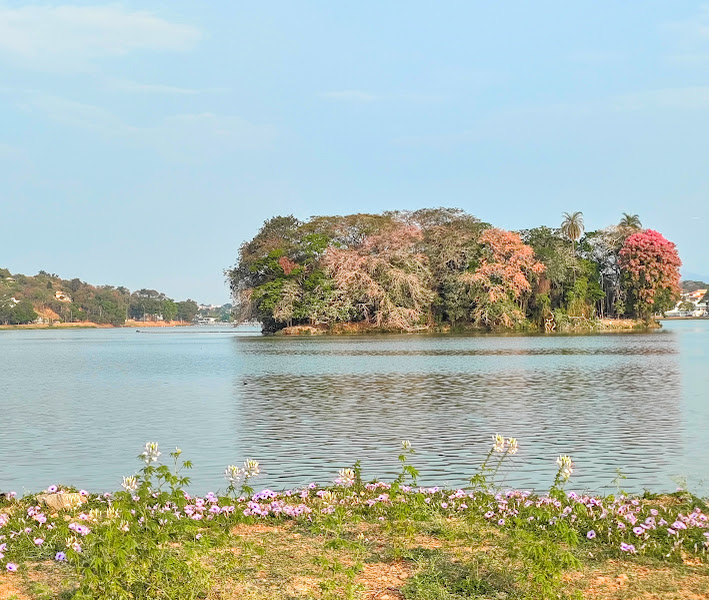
x,y
233,474
566,466
130,484
498,443
251,468
150,454
346,477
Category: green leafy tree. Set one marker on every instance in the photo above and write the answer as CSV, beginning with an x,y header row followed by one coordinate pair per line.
x,y
187,310
22,313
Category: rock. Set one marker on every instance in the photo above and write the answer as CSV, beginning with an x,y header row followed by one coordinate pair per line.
x,y
61,500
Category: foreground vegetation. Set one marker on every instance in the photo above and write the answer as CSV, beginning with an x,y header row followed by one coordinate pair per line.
x,y
442,268
352,539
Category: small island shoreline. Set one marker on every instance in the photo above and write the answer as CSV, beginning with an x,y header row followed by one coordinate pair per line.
x,y
581,327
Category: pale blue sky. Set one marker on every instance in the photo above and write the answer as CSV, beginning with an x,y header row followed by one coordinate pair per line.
x,y
142,142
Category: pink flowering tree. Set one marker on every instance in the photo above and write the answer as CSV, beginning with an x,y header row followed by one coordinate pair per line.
x,y
501,283
650,266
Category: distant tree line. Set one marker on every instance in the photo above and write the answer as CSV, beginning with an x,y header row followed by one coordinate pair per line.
x,y
24,298
419,269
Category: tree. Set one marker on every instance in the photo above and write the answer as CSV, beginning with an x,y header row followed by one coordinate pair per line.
x,y
572,226
22,313
169,310
385,280
650,266
187,310
502,279
687,306
630,222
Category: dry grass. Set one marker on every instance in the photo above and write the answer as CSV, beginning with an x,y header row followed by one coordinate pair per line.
x,y
370,561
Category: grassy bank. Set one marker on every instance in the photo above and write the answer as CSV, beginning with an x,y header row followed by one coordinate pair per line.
x,y
352,539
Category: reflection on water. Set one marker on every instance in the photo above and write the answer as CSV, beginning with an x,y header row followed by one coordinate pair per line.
x,y
76,406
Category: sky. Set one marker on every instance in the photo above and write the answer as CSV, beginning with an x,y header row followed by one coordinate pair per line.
x,y
141,143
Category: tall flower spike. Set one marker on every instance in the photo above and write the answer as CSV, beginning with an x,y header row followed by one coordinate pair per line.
x,y
499,443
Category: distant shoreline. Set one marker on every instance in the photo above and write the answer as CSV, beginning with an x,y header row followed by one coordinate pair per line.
x,y
92,325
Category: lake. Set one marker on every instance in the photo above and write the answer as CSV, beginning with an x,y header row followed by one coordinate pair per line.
x,y
76,406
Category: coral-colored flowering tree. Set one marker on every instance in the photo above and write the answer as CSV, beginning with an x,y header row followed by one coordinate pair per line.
x,y
503,278
650,266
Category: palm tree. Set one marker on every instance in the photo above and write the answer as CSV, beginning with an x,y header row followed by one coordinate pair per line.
x,y
630,222
572,227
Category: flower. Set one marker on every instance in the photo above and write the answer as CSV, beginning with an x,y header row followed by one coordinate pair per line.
x,y
12,567
346,477
512,446
233,474
627,547
638,530
251,468
566,466
498,443
52,489
130,484
38,541
591,534
150,454
405,445
60,557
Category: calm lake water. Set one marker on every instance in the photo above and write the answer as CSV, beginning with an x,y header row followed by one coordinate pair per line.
x,y
77,406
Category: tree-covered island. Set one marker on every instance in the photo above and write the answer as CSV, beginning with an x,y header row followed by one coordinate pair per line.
x,y
441,269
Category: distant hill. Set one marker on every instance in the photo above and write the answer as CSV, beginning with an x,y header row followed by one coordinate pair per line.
x,y
47,298
691,285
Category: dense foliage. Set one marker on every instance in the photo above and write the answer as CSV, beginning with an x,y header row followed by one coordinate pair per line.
x,y
24,299
410,270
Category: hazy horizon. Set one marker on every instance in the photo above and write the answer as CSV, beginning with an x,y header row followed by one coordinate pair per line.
x,y
143,142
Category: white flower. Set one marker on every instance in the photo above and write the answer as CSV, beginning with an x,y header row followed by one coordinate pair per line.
x,y
233,474
346,477
150,454
251,468
499,443
406,445
512,446
566,466
130,484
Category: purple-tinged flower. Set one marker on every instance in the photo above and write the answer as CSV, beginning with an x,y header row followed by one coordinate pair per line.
x,y
38,541
52,489
627,547
638,530
501,522
83,493
671,531
591,534
60,557
489,514
12,567
444,504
